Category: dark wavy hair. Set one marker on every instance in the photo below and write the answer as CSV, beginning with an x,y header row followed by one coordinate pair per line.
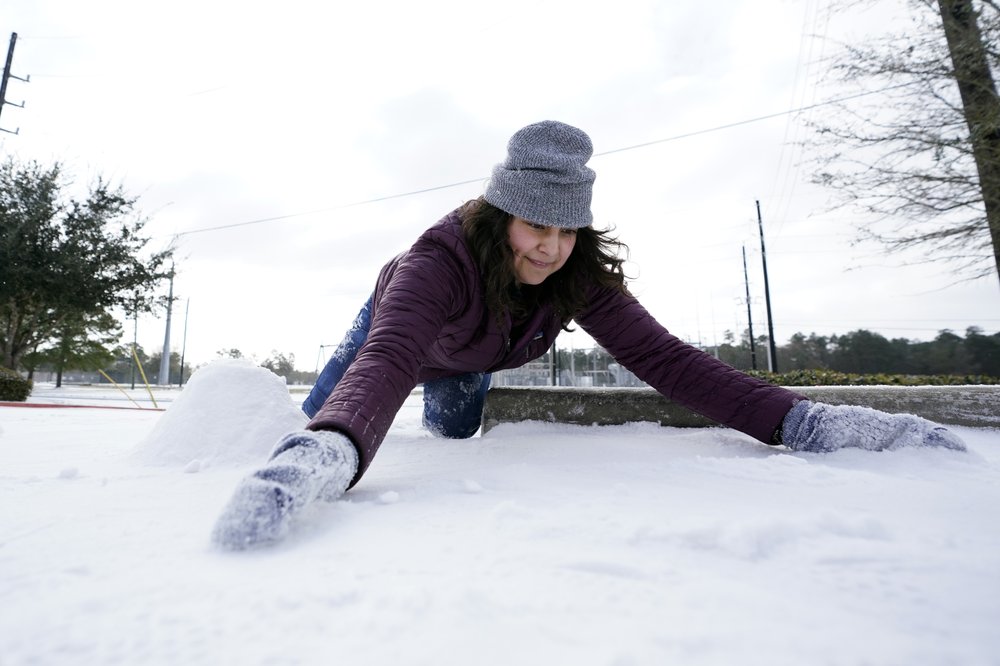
x,y
597,257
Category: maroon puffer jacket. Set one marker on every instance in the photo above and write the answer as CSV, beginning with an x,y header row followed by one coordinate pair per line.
x,y
429,320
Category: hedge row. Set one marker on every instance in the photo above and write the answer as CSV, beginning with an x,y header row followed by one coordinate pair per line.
x,y
13,387
832,378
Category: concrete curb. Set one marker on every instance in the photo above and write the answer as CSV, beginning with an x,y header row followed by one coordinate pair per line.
x,y
973,406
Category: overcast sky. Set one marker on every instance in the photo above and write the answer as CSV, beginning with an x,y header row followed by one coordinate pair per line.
x,y
222,114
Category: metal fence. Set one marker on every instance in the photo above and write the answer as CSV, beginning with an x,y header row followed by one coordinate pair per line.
x,y
596,371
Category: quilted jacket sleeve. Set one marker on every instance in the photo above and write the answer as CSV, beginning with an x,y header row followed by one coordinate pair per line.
x,y
681,372
415,297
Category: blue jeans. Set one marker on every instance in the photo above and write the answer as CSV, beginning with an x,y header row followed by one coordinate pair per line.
x,y
453,406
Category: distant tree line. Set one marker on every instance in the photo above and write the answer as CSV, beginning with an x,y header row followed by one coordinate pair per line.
x,y
867,352
279,363
283,365
123,369
860,352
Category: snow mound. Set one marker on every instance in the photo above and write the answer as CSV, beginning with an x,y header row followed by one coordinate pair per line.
x,y
230,413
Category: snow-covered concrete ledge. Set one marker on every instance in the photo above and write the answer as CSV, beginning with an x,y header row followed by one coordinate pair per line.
x,y
975,406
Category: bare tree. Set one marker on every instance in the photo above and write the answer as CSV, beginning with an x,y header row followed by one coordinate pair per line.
x,y
922,156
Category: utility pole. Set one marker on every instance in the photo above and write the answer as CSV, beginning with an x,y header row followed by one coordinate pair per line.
x,y
164,378
7,76
746,282
554,364
184,341
772,350
135,339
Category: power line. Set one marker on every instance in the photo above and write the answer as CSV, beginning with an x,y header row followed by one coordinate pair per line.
x,y
637,146
330,208
738,123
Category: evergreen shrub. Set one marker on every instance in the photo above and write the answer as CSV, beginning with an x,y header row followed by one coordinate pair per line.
x,y
14,387
834,378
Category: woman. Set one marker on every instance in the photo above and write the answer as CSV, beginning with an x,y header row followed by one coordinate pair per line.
x,y
489,287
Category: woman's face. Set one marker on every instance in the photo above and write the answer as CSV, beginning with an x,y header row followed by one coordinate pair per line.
x,y
539,251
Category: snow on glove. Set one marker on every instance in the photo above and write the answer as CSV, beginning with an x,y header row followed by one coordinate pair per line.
x,y
304,466
818,427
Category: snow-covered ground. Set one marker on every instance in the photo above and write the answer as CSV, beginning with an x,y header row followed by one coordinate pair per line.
x,y
536,544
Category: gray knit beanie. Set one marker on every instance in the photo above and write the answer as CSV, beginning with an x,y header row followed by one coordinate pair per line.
x,y
545,179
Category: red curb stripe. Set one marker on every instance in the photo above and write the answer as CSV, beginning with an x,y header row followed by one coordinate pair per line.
x,y
44,405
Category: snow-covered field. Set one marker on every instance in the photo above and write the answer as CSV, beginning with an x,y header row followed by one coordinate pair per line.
x,y
536,544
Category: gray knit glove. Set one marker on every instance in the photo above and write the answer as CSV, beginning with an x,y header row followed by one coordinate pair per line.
x,y
304,466
818,427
